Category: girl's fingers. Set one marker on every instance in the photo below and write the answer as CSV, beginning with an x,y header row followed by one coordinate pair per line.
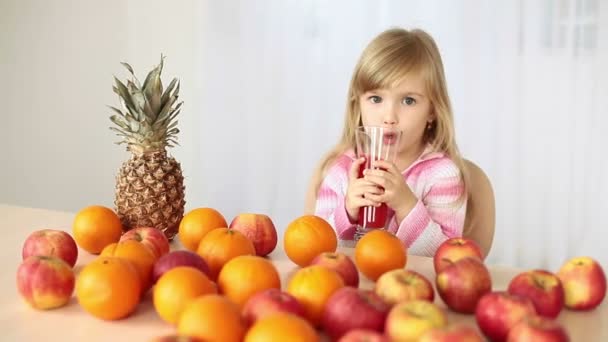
x,y
370,189
377,180
361,193
388,166
364,202
374,172
375,198
353,172
377,174
361,185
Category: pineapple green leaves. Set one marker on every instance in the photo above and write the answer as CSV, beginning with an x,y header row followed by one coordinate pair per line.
x,y
147,121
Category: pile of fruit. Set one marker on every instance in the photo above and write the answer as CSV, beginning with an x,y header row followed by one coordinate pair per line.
x,y
222,287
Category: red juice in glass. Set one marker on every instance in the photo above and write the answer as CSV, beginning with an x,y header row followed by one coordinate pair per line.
x,y
370,216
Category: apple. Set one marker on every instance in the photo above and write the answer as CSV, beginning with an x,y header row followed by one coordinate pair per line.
x,y
350,308
150,237
363,335
271,301
45,282
538,329
462,283
453,332
543,288
400,285
408,321
498,312
584,283
454,249
178,258
259,229
340,263
51,243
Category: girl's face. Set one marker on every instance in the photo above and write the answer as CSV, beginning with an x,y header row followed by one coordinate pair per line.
x,y
404,107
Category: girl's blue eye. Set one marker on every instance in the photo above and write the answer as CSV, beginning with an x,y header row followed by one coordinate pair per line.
x,y
409,101
375,99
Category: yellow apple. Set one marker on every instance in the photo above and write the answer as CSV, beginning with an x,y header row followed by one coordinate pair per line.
x,y
408,321
401,285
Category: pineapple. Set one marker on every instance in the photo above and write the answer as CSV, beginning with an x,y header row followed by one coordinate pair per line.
x,y
149,186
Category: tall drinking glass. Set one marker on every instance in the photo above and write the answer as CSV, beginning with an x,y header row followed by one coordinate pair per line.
x,y
374,143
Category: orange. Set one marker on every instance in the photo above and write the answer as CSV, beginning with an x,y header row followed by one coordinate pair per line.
x,y
308,236
312,286
245,275
212,318
108,288
281,327
178,287
95,227
378,252
137,253
198,222
176,338
221,245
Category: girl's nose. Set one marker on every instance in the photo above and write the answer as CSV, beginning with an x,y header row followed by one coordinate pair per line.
x,y
390,117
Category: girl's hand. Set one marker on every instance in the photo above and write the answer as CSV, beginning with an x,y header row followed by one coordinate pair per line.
x,y
359,191
397,194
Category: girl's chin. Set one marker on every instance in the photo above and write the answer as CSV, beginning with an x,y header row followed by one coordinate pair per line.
x,y
407,152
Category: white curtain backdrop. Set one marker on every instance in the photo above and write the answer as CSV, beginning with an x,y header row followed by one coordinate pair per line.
x,y
526,80
264,87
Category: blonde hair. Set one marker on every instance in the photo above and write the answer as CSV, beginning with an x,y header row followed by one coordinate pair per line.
x,y
386,60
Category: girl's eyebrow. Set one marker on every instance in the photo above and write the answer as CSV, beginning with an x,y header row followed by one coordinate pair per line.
x,y
383,92
407,93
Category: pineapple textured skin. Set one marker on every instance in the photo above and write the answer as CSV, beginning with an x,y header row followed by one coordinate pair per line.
x,y
150,193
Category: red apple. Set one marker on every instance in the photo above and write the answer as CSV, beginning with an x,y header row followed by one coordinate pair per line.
x,y
538,329
543,288
178,258
340,263
462,283
350,308
584,283
400,285
452,332
259,229
498,312
363,335
51,243
455,249
150,237
45,282
408,321
270,301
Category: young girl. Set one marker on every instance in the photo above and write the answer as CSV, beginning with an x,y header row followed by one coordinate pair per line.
x,y
398,83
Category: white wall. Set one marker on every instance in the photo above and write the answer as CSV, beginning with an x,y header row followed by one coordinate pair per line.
x,y
264,88
57,62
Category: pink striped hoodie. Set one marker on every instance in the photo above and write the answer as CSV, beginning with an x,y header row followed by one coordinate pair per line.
x,y
438,215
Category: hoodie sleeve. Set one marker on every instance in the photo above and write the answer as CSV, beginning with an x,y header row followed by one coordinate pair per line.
x,y
331,196
439,213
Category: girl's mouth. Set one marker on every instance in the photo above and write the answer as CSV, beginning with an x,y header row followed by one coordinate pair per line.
x,y
389,138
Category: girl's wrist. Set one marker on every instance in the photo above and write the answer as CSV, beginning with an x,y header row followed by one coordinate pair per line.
x,y
351,213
